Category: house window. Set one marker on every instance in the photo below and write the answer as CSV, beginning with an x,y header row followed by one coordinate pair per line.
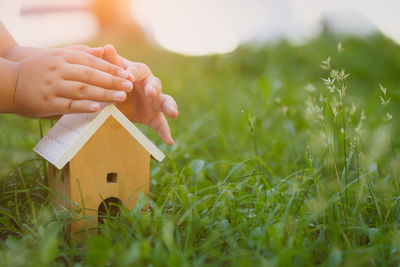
x,y
112,177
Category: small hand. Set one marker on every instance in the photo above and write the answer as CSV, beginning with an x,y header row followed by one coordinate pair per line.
x,y
58,81
146,103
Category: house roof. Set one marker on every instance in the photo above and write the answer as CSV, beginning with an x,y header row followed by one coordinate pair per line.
x,y
72,132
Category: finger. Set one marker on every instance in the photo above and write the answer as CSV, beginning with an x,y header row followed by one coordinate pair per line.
x,y
123,63
66,106
167,105
160,125
110,54
95,51
81,58
140,71
98,78
152,86
83,91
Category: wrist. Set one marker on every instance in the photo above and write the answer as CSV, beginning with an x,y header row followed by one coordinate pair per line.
x,y
9,79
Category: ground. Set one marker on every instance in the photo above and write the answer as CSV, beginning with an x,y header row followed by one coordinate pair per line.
x,y
269,167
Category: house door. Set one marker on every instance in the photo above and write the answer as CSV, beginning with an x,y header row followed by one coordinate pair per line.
x,y
107,208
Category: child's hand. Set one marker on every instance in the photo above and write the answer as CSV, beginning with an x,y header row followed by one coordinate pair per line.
x,y
59,81
146,104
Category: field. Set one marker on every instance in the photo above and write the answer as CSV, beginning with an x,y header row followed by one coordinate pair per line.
x,y
274,165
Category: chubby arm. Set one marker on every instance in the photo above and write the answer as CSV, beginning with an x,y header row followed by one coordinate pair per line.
x,y
10,50
7,42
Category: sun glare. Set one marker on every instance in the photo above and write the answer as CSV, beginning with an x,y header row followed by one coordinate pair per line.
x,y
198,27
382,15
189,27
50,29
202,27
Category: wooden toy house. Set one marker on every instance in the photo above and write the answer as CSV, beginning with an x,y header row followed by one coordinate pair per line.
x,y
95,159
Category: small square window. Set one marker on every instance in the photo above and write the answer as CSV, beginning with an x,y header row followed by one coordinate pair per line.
x,y
112,177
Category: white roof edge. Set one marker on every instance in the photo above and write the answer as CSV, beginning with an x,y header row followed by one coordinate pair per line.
x,y
156,153
109,110
83,138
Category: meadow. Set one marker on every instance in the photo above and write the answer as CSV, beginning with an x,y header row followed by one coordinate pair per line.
x,y
284,155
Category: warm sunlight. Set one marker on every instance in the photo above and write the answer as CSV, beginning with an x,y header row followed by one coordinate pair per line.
x,y
383,15
205,27
199,133
198,27
189,27
55,28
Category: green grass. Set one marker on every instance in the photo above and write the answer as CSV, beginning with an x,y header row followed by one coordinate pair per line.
x,y
254,177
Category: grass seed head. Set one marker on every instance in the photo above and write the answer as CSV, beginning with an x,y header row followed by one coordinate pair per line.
x,y
385,102
310,88
340,47
388,118
383,89
353,109
326,64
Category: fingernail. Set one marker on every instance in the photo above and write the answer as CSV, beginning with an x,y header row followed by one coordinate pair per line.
x,y
93,107
119,95
123,74
170,110
127,86
131,77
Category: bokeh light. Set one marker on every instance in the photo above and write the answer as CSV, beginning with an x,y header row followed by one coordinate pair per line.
x,y
198,27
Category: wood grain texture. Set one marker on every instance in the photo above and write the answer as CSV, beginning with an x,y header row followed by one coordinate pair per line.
x,y
110,150
60,183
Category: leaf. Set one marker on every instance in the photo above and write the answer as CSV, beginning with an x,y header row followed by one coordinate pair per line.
x,y
197,165
251,119
49,249
98,249
167,234
335,258
141,203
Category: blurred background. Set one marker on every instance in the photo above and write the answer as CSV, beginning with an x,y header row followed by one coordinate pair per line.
x,y
195,27
222,59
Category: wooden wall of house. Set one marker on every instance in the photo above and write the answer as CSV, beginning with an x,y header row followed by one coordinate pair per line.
x,y
111,164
